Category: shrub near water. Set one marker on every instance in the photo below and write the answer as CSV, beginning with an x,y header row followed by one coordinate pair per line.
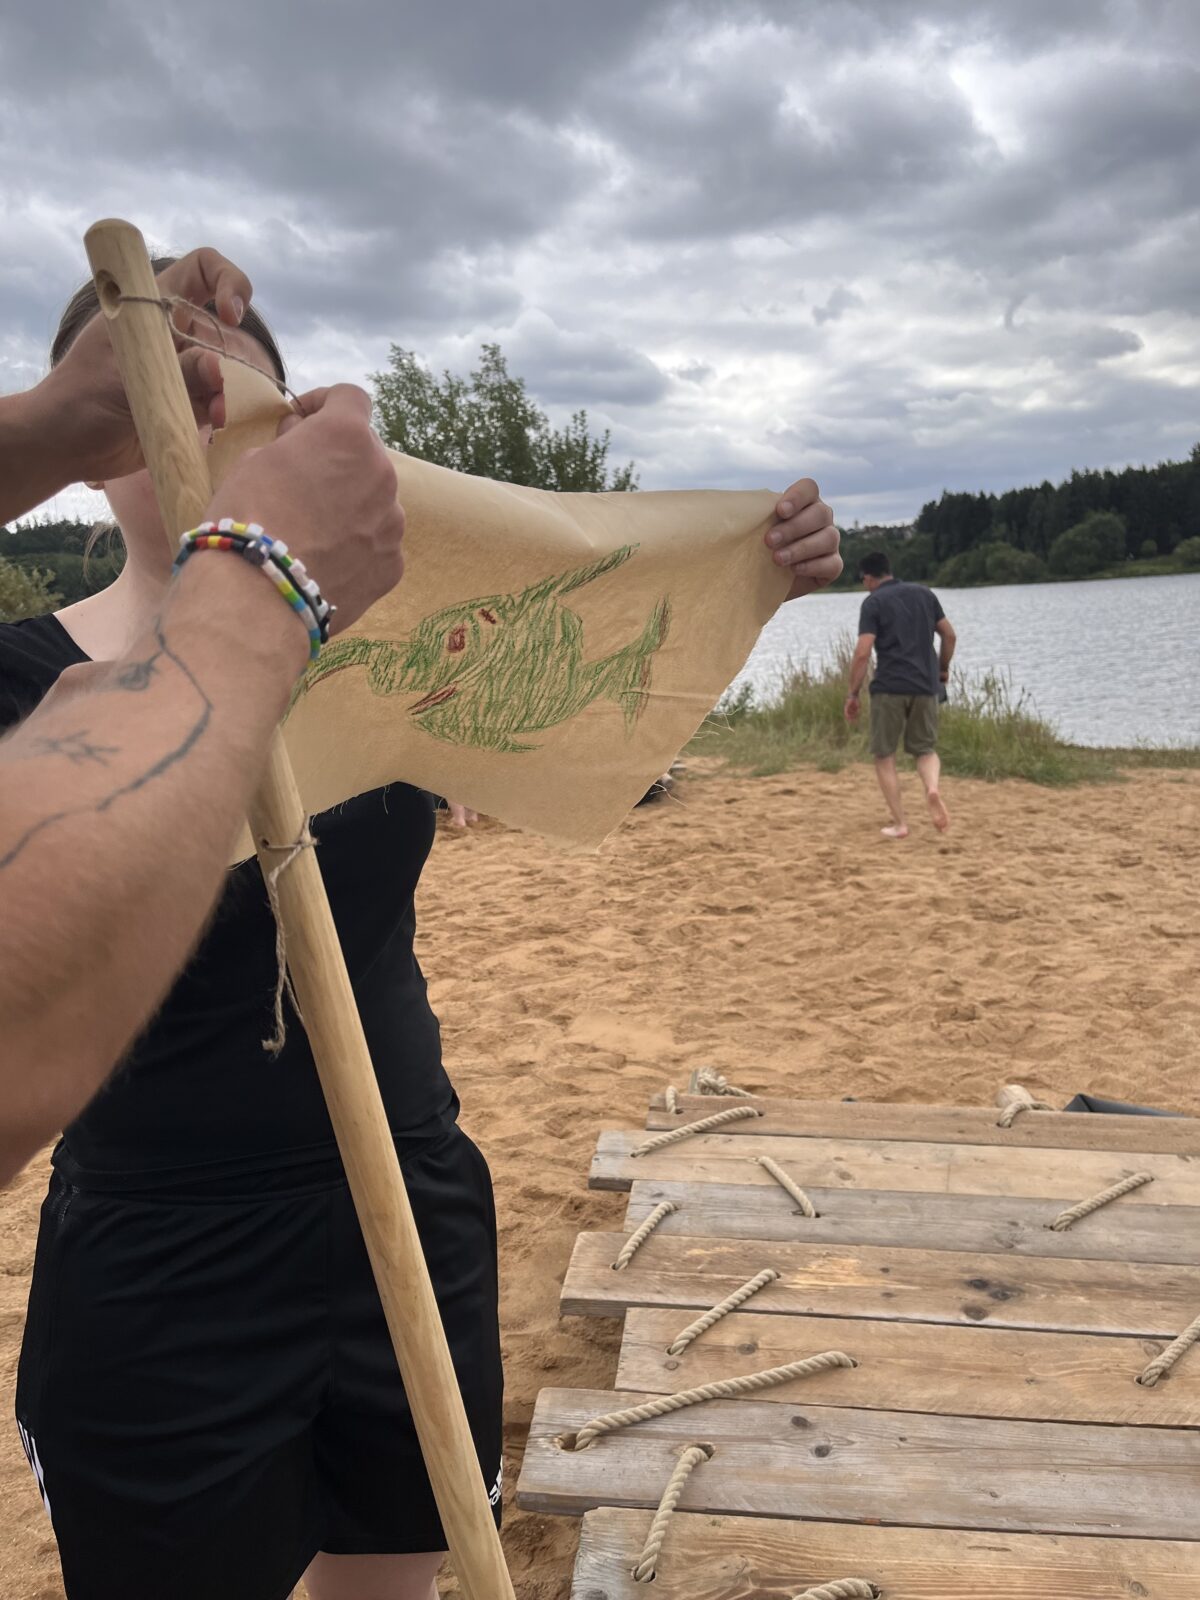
x,y
987,730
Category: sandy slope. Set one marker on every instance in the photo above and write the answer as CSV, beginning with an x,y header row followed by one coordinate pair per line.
x,y
761,927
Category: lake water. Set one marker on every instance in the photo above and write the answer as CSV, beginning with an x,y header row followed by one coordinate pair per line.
x,y
1108,663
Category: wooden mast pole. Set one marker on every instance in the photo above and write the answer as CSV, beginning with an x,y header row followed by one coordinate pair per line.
x,y
163,417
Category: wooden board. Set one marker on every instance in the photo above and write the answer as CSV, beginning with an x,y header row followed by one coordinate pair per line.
x,y
942,1286
916,1366
877,1466
745,1558
731,1157
870,1119
924,1221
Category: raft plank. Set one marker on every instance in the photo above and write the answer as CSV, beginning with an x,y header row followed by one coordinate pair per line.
x,y
874,1119
882,1466
1139,1299
732,1157
924,1221
915,1366
732,1558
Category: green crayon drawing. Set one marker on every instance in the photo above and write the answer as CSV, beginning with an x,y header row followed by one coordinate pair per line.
x,y
502,666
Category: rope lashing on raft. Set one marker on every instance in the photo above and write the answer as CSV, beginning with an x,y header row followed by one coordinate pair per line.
x,y
1022,1101
671,1099
1163,1363
644,1567
167,303
639,1235
842,1589
689,1130
789,1186
722,1309
283,978
726,1389
710,1081
1066,1219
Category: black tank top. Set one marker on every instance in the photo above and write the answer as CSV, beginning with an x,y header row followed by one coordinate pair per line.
x,y
197,1094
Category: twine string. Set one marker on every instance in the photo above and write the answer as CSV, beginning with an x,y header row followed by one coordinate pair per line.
x,y
689,1460
1163,1363
283,978
1066,1219
167,304
639,1236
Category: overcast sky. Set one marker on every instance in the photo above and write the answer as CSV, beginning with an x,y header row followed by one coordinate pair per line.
x,y
899,244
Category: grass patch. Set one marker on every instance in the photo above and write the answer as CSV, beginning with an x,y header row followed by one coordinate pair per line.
x,y
988,730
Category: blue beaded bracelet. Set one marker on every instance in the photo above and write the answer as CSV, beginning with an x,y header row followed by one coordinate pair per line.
x,y
286,571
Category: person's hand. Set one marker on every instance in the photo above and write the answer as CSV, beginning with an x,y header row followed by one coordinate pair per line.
x,y
327,488
852,708
461,816
805,540
82,400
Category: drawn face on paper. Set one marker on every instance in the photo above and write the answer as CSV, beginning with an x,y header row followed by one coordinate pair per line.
x,y
497,667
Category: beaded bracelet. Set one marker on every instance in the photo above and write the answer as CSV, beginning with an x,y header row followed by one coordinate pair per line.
x,y
286,571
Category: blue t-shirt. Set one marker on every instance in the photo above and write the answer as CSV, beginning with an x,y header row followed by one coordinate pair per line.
x,y
902,616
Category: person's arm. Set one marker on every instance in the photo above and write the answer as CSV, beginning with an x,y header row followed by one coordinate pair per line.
x,y
948,639
121,795
75,425
860,663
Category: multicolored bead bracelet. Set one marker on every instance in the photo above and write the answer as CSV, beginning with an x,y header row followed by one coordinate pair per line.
x,y
285,570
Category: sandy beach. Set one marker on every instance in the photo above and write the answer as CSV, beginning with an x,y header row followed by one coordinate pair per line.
x,y
761,927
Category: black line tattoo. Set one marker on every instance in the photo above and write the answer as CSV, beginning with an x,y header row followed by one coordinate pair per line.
x,y
78,748
134,678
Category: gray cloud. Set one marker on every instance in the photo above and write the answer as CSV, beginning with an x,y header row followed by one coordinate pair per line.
x,y
910,243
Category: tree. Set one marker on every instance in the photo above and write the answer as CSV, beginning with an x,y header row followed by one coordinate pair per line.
x,y
489,425
24,593
1089,546
1003,563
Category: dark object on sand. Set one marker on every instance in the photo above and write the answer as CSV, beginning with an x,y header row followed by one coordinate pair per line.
x,y
1093,1102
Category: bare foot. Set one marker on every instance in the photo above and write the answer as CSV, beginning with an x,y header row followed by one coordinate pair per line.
x,y
900,831
937,810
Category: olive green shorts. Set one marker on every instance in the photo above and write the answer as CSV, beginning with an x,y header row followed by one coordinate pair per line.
x,y
913,715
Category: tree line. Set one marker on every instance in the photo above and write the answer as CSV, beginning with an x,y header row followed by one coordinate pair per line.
x,y
1137,520
1141,519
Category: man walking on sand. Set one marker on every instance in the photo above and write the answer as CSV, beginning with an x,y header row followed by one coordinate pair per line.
x,y
898,621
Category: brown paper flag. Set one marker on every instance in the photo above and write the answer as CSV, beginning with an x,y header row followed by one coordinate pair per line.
x,y
545,656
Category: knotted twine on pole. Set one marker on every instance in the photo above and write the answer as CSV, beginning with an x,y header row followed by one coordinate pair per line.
x,y
1065,1219
644,1567
691,1129
1163,1363
722,1309
726,1389
639,1236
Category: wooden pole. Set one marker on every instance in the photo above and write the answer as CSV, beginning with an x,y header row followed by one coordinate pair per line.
x,y
163,417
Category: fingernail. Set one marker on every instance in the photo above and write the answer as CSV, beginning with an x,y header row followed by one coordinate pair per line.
x,y
774,539
786,508
239,307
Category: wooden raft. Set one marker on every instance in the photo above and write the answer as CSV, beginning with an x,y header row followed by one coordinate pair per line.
x,y
991,1436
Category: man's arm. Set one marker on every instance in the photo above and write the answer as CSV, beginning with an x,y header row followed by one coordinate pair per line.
x,y
121,795
860,663
946,652
119,801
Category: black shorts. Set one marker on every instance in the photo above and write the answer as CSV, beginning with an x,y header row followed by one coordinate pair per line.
x,y
207,1388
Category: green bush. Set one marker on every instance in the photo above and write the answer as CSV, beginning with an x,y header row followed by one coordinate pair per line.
x,y
1003,563
1148,549
24,592
1188,552
1090,546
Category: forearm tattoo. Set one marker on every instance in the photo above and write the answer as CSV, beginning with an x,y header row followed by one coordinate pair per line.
x,y
82,748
